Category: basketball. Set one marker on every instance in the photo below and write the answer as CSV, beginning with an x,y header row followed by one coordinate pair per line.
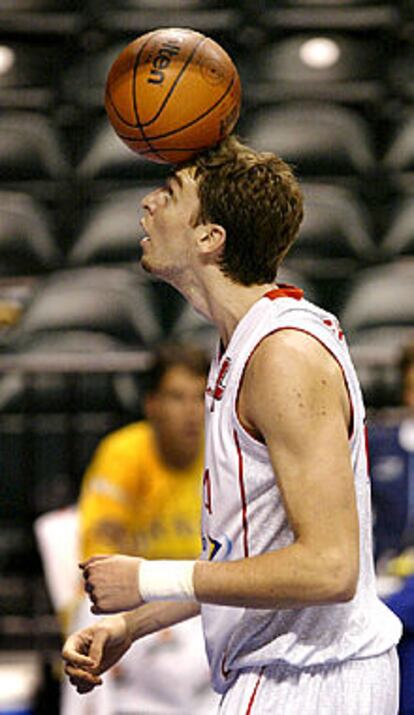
x,y
172,93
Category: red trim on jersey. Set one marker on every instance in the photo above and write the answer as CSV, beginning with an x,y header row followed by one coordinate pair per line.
x,y
300,330
254,693
284,290
242,495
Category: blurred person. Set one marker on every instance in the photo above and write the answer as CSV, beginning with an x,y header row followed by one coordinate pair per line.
x,y
391,448
391,452
141,495
285,582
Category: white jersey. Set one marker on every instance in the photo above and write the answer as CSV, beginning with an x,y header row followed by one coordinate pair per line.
x,y
243,514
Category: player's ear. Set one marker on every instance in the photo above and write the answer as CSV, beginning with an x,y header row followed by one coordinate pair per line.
x,y
211,238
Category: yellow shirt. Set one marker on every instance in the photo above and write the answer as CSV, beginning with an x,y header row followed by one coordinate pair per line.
x,y
132,503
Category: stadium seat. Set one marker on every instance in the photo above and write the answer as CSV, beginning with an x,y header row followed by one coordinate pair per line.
x,y
320,139
209,16
399,155
109,301
399,236
28,74
320,66
359,15
336,234
27,244
41,17
378,319
30,148
376,353
84,80
107,157
111,230
400,74
381,297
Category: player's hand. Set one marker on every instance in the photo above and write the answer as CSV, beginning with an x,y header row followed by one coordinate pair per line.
x,y
111,583
93,650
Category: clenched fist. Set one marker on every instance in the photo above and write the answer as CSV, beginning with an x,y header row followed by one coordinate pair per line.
x,y
111,583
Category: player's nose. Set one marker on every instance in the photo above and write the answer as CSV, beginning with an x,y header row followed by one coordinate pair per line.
x,y
148,202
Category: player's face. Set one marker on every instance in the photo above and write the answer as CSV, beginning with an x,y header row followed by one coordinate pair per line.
x,y
169,219
176,411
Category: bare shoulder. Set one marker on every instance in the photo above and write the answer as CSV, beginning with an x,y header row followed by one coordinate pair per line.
x,y
290,372
289,352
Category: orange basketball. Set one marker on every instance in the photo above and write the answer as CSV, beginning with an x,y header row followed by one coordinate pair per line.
x,y
172,93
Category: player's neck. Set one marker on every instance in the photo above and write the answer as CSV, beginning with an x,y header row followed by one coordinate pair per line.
x,y
224,302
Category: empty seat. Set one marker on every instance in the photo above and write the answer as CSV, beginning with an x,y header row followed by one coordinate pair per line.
x,y
400,152
107,157
318,138
29,74
319,66
89,374
30,148
111,230
376,353
334,14
84,81
400,68
27,243
109,301
336,233
381,297
42,17
399,236
209,16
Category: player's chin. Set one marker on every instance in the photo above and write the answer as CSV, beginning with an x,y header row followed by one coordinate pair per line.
x,y
146,265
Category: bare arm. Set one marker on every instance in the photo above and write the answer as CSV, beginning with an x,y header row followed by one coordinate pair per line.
x,y
92,651
294,397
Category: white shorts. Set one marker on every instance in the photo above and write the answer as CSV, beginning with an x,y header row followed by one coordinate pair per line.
x,y
358,687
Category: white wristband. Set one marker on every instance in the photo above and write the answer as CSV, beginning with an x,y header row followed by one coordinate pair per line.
x,y
166,580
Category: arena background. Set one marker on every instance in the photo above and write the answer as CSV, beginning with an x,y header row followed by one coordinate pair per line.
x,y
328,85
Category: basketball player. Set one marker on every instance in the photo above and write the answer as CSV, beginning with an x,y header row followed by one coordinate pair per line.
x,y
285,583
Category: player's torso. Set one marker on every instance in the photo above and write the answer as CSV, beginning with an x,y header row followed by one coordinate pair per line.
x,y
242,510
243,514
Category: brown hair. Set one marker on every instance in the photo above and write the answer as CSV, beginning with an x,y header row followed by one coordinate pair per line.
x,y
175,354
256,198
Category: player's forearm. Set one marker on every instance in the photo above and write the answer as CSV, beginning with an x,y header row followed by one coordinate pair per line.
x,y
155,616
287,578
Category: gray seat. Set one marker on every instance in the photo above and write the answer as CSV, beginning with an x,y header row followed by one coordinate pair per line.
x,y
381,297
208,16
320,65
110,233
336,234
333,14
27,243
399,155
317,138
110,301
376,353
107,157
30,148
399,237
